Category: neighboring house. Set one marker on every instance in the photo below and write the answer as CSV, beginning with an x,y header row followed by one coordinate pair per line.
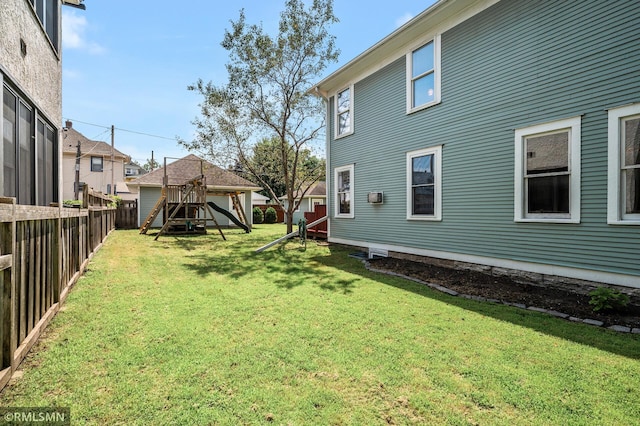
x,y
100,165
123,191
133,171
500,133
257,198
317,194
31,79
220,183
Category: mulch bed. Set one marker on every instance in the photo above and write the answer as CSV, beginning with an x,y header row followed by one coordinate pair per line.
x,y
502,288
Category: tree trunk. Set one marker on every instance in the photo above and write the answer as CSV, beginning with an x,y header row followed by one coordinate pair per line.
x,y
289,218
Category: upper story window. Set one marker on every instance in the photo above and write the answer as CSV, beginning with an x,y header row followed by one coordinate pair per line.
x,y
624,166
343,180
96,164
424,184
423,76
344,112
547,181
47,12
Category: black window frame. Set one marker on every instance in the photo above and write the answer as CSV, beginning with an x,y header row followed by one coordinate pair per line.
x,y
33,177
48,14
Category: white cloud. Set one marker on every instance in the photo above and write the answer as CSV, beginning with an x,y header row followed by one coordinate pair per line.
x,y
403,19
74,27
71,74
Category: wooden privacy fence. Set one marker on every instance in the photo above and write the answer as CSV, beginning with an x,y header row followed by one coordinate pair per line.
x,y
43,252
279,210
127,215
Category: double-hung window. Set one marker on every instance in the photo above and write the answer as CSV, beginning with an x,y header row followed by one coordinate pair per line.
x,y
624,165
96,164
424,184
343,180
547,172
344,112
423,76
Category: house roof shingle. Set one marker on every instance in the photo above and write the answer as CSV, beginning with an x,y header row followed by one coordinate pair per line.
x,y
317,190
189,167
87,146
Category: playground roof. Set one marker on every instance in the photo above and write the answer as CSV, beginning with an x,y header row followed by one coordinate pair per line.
x,y
192,166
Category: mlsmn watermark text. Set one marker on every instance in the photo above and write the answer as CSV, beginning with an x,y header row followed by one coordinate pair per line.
x,y
45,416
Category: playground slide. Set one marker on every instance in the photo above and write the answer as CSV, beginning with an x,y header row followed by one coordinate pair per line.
x,y
229,215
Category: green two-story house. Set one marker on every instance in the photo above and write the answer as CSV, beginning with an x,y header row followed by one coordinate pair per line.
x,y
497,133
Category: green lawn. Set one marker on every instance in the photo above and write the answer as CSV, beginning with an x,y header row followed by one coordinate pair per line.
x,y
196,330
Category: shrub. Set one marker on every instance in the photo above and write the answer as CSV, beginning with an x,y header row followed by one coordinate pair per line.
x,y
607,299
270,215
258,216
116,200
72,203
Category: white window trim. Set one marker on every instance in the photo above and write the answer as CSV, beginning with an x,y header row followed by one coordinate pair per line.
x,y
615,213
437,208
336,171
573,125
335,110
436,71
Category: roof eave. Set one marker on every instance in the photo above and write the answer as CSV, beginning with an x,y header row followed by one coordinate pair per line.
x,y
394,45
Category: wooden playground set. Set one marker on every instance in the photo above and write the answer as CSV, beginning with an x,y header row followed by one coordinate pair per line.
x,y
185,209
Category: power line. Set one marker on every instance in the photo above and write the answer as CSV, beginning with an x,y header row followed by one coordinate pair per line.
x,y
123,130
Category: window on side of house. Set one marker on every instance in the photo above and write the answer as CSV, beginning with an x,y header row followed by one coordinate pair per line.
x,y
29,153
96,164
46,149
423,76
344,112
26,156
343,178
547,181
47,12
624,166
9,132
424,184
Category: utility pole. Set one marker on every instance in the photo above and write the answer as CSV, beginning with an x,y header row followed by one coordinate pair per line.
x,y
77,183
113,188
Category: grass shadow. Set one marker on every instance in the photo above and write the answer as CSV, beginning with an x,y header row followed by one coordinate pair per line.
x,y
286,264
624,344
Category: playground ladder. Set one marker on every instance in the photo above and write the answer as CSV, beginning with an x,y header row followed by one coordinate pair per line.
x,y
238,206
185,197
153,213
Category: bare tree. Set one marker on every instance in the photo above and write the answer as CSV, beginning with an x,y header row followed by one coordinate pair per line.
x,y
267,96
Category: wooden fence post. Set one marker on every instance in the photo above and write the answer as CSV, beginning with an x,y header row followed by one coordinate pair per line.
x,y
7,292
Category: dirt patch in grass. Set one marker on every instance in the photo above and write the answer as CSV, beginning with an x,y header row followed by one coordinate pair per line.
x,y
505,289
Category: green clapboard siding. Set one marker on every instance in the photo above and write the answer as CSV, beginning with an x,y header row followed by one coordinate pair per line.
x,y
516,64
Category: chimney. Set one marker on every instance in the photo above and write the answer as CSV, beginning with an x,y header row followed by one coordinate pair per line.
x,y
68,124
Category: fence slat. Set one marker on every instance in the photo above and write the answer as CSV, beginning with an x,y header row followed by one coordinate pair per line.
x,y
37,235
21,282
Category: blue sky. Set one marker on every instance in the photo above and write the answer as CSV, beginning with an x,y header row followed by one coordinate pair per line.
x,y
128,63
